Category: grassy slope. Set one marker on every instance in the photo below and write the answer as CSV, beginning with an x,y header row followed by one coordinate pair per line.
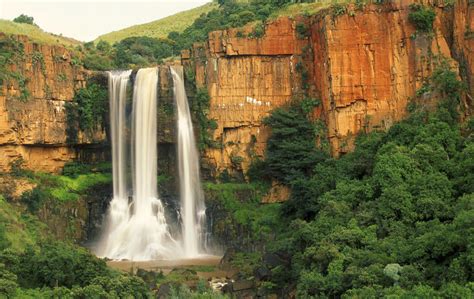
x,y
21,229
160,28
35,33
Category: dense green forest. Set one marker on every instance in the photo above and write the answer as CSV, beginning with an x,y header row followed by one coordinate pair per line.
x,y
392,218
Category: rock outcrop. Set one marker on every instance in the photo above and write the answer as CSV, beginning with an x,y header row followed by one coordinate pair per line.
x,y
246,79
463,44
367,65
33,118
364,65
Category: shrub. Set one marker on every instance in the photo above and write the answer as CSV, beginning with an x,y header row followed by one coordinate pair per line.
x,y
24,19
8,283
103,46
258,31
74,169
97,62
291,151
236,160
141,51
34,199
4,242
92,105
338,9
55,264
200,109
421,17
301,30
17,168
308,104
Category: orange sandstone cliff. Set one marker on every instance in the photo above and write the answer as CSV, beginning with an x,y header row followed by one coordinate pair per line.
x,y
364,66
33,116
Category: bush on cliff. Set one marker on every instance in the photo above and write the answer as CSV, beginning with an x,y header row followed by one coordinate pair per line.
x,y
87,112
292,154
421,17
291,148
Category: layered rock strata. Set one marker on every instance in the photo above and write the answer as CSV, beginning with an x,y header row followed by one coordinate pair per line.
x,y
364,66
33,118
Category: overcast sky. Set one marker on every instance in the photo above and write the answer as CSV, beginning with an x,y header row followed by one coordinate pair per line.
x,y
87,19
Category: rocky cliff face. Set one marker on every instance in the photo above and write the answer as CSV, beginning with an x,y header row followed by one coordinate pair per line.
x,y
368,65
364,65
463,44
246,79
33,115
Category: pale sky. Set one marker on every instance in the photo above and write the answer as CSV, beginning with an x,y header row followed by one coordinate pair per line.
x,y
87,19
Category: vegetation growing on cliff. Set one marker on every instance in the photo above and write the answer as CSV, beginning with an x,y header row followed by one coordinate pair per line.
x,y
392,218
200,109
422,17
87,112
11,53
240,219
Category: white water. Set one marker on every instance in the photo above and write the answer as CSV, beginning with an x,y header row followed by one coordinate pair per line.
x,y
192,198
136,230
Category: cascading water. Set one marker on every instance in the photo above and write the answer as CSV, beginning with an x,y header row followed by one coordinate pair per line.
x,y
118,210
192,198
136,229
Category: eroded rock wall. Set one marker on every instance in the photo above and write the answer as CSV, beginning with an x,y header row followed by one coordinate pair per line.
x,y
463,44
246,79
364,65
33,120
368,65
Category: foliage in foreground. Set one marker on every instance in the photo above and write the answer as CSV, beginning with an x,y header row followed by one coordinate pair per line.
x,y
58,269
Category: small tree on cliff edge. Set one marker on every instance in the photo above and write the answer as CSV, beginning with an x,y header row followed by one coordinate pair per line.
x,y
25,20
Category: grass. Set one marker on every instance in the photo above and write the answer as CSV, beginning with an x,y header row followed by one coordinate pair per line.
x,y
297,9
160,28
65,188
300,9
177,276
36,34
21,229
203,268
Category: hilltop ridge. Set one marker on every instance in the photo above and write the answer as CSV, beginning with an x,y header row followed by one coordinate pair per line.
x,y
159,28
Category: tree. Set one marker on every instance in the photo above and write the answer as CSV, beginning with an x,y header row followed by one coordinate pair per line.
x,y
291,151
24,19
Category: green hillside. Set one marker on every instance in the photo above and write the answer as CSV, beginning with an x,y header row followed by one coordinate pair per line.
x,y
160,28
35,33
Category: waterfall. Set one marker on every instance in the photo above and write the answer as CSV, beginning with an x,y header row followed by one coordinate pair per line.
x,y
192,198
136,229
118,210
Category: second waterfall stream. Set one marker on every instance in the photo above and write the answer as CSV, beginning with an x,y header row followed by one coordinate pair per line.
x,y
136,227
192,199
